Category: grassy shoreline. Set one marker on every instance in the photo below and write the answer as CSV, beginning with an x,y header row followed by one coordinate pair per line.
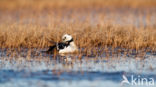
x,y
18,35
32,23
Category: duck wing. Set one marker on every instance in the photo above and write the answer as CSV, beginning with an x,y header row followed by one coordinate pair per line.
x,y
61,45
51,48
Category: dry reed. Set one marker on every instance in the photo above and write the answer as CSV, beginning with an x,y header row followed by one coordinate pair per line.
x,y
18,35
53,4
21,26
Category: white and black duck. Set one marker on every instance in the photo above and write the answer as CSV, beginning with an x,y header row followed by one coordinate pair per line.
x,y
66,46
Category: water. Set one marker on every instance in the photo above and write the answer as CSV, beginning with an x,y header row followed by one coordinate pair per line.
x,y
69,70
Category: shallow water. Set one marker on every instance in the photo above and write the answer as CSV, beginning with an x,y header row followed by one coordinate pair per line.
x,y
64,71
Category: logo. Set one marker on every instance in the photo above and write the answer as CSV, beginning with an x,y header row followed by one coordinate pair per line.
x,y
137,80
125,80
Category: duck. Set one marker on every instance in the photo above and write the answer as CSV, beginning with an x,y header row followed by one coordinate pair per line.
x,y
66,46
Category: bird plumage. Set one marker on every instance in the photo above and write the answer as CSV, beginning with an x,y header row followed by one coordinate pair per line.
x,y
67,46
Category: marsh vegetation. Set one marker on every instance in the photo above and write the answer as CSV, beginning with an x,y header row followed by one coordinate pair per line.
x,y
114,37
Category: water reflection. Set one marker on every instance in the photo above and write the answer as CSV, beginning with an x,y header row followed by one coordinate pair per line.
x,y
71,68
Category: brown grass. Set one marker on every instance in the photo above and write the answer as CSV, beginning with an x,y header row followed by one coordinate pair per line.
x,y
52,4
33,23
19,35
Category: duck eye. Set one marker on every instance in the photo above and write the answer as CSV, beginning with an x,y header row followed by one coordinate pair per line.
x,y
64,38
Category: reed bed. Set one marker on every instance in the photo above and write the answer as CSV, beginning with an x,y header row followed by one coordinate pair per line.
x,y
33,24
19,35
49,4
